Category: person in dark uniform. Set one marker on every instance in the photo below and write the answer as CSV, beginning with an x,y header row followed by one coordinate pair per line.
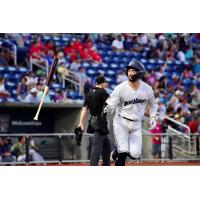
x,y
95,103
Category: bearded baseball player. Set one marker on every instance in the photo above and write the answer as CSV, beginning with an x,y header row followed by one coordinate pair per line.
x,y
129,101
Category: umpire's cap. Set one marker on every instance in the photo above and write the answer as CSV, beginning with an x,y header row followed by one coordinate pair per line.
x,y
100,79
134,64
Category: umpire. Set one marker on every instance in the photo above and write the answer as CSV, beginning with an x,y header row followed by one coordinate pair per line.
x,y
95,102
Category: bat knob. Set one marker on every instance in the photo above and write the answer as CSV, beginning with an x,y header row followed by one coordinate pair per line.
x,y
35,118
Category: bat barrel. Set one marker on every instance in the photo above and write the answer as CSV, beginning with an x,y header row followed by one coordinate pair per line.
x,y
52,71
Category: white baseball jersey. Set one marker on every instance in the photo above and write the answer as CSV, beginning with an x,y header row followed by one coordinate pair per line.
x,y
131,103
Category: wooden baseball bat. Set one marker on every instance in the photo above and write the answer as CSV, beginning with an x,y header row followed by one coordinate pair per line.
x,y
50,75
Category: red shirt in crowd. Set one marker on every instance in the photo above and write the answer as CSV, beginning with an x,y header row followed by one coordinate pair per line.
x,y
156,139
36,48
193,126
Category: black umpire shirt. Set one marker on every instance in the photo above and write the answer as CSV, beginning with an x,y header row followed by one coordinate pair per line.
x,y
95,101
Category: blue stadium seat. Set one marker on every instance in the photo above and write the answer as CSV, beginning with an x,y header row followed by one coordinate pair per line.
x,y
95,65
59,44
110,73
160,62
114,66
64,39
125,60
152,62
108,79
101,71
46,37
110,53
56,85
18,76
104,65
121,66
2,69
187,83
12,100
23,69
10,85
73,95
91,72
117,54
12,69
144,61
107,59
56,38
103,53
86,64
116,60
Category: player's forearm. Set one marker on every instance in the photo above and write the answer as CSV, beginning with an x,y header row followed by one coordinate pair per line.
x,y
152,107
83,115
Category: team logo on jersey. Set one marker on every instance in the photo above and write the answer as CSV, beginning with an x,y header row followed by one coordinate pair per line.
x,y
134,101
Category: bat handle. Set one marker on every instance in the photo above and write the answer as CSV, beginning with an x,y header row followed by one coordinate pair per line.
x,y
41,102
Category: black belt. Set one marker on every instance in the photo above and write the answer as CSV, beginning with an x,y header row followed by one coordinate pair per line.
x,y
129,119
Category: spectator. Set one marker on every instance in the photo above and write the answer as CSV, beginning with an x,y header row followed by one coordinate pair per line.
x,y
49,57
22,89
37,49
179,115
59,96
187,74
142,39
162,83
3,61
49,46
161,108
6,151
46,98
150,77
1,145
117,44
70,52
174,83
75,65
121,76
3,92
94,56
184,104
82,77
31,82
32,96
156,141
193,124
128,43
174,101
19,150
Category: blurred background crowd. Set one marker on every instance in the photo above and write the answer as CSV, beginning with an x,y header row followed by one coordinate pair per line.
x,y
172,62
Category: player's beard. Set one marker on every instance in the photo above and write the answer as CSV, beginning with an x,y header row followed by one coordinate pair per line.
x,y
134,78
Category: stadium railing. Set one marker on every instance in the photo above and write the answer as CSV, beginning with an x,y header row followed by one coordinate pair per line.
x,y
61,148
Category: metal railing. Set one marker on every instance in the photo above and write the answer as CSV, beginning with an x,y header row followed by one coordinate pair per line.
x,y
74,79
178,123
36,63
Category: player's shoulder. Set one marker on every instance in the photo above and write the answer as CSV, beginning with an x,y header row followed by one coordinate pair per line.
x,y
146,86
122,85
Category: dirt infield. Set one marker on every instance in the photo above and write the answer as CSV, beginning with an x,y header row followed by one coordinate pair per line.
x,y
137,164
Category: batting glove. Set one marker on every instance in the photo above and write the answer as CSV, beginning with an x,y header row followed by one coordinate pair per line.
x,y
152,122
109,109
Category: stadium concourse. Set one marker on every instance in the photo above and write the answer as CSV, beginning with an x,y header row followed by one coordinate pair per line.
x,y
172,62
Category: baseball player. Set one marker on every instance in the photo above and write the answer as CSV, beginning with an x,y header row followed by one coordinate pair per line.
x,y
129,101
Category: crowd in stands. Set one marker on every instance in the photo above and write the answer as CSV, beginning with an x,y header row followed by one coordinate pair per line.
x,y
172,62
17,152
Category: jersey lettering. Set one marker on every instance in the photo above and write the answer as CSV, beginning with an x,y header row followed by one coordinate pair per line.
x,y
134,101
